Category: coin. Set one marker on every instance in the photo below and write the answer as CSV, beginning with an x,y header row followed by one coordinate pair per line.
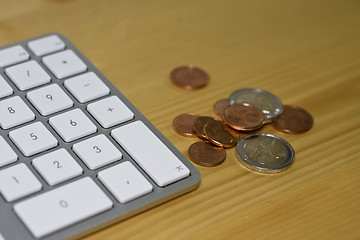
x,y
220,106
183,124
293,120
268,103
265,153
235,133
244,117
218,135
199,125
206,154
189,77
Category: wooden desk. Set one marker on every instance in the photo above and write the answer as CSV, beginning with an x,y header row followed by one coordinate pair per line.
x,y
305,52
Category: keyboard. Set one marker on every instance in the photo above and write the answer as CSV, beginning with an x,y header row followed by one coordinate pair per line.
x,y
75,154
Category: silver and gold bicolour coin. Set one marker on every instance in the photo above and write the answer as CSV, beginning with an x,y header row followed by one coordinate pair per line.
x,y
268,103
265,153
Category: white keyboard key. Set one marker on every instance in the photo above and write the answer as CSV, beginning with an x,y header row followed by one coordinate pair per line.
x,y
7,153
72,125
27,75
57,166
17,182
86,87
46,45
150,153
13,55
50,99
5,89
33,139
62,207
125,182
13,112
97,151
110,111
64,64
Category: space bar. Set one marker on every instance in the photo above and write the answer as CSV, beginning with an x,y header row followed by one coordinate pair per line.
x,y
61,207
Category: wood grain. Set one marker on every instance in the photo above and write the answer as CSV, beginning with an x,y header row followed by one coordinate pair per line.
x,y
305,52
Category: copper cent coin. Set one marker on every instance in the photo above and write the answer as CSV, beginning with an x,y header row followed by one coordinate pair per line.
x,y
244,117
293,120
265,153
199,125
184,124
218,135
189,77
220,106
206,154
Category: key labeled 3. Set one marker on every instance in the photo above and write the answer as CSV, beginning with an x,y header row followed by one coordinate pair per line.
x,y
97,151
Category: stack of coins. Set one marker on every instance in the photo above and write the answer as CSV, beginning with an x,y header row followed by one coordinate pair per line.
x,y
244,111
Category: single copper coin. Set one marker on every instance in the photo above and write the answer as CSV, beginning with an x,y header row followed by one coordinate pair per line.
x,y
189,77
235,133
184,124
218,135
199,125
206,154
293,120
244,117
220,106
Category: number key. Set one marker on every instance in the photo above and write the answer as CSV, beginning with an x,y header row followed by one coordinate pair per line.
x,y
57,166
17,182
13,112
33,139
49,99
72,125
97,151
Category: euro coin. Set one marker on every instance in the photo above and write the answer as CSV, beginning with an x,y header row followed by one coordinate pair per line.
x,y
265,153
268,103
